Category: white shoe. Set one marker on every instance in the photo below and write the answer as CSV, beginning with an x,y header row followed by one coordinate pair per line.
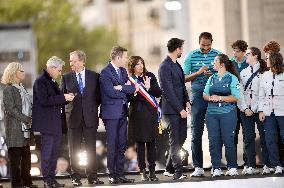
x,y
217,173
166,173
250,171
232,172
265,170
197,172
278,170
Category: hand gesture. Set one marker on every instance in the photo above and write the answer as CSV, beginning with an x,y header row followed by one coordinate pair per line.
x,y
203,69
183,114
147,82
248,112
118,87
261,116
69,97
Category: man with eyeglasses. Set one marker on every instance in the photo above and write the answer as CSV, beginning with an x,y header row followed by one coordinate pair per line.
x,y
48,117
197,68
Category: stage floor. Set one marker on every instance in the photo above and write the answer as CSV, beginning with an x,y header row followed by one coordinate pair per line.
x,y
257,181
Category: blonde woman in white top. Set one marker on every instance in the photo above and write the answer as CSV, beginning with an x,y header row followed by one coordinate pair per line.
x,y
271,106
250,81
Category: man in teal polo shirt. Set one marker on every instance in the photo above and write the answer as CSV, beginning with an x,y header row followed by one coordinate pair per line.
x,y
198,67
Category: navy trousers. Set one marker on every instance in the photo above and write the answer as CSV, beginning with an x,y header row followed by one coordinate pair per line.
x,y
248,123
177,129
221,130
50,146
270,128
198,111
116,132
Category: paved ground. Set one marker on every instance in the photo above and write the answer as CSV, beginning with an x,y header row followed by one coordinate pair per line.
x,y
163,179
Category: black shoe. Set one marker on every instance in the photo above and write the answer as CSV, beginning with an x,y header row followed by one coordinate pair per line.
x,y
113,180
144,176
153,176
123,179
95,181
58,184
179,176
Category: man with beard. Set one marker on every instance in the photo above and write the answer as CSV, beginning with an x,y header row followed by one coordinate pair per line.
x,y
197,68
174,103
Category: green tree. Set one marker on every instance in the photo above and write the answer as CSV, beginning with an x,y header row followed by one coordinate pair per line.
x,y
58,30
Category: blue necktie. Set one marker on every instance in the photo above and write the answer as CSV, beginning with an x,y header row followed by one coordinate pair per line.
x,y
119,74
81,87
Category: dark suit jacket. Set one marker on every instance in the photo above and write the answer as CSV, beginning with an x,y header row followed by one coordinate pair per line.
x,y
83,106
48,103
174,94
143,117
14,117
113,100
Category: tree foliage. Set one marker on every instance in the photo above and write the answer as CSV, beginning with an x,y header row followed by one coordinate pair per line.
x,y
56,24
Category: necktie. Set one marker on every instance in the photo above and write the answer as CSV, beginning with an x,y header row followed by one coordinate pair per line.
x,y
81,87
119,73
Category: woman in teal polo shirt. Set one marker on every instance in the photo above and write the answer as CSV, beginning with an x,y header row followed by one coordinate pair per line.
x,y
222,92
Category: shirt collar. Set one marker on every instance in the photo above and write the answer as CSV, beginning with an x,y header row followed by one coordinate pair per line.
x,y
114,66
82,72
242,61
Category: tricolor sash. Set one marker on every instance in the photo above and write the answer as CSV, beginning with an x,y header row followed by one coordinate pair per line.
x,y
151,99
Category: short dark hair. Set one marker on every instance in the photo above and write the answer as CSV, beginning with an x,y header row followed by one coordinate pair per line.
x,y
174,43
241,45
205,35
271,46
117,51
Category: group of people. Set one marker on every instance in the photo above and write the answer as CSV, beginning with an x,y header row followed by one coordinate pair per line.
x,y
131,113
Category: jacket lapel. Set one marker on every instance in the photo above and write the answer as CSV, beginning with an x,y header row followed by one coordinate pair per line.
x,y
114,73
177,73
75,82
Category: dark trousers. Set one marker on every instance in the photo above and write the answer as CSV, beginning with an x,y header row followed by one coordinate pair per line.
x,y
238,127
20,163
75,138
50,146
221,131
248,123
151,155
116,132
177,129
198,111
270,128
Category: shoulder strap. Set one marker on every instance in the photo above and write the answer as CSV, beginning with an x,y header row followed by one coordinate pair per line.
x,y
251,78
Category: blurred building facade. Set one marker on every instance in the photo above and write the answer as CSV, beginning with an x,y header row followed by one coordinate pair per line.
x,y
146,25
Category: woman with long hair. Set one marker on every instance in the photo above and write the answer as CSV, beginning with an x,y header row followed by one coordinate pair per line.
x,y
250,81
222,92
18,106
271,107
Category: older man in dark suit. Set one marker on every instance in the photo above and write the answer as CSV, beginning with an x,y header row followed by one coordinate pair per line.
x,y
48,117
82,115
174,102
115,87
